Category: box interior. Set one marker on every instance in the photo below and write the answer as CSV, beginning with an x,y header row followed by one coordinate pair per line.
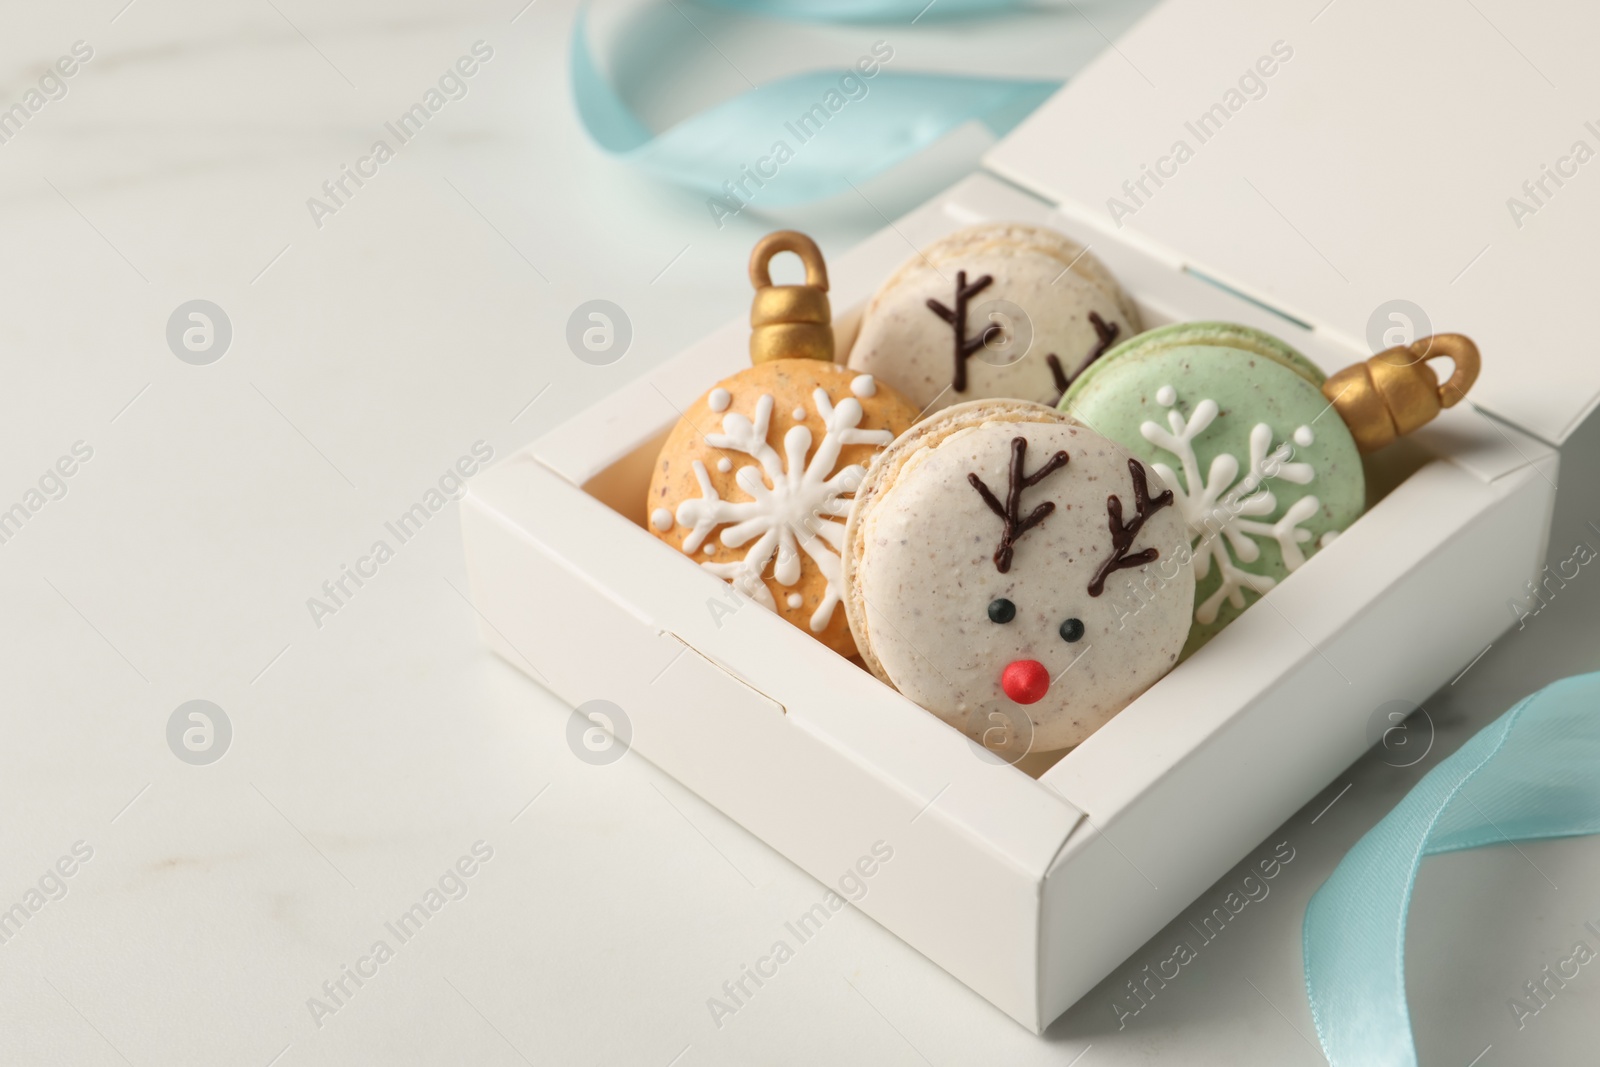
x,y
622,485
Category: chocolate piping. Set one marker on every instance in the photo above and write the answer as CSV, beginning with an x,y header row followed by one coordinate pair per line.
x,y
957,318
1011,512
1122,535
1107,334
1062,381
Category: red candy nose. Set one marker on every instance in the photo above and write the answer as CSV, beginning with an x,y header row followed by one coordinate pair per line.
x,y
1025,681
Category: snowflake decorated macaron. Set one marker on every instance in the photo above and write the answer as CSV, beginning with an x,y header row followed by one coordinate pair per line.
x,y
756,479
1016,574
1235,423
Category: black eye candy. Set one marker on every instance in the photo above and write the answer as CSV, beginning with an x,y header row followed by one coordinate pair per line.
x,y
1072,630
1002,610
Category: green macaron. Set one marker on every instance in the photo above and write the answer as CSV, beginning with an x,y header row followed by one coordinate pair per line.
x,y
1234,422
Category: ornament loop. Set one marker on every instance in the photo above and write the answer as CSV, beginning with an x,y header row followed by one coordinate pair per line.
x,y
790,321
1395,391
788,241
1460,350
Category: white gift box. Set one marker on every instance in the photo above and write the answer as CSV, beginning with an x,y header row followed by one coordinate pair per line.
x,y
1371,163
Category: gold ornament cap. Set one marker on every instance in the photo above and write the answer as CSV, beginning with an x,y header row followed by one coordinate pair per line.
x,y
1395,391
790,321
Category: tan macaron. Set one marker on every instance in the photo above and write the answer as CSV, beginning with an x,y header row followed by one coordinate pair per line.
x,y
756,479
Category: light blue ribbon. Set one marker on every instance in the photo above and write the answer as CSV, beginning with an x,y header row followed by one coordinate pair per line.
x,y
866,124
1532,773
864,10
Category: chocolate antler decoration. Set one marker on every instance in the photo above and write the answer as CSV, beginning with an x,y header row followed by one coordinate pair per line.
x,y
1122,536
965,346
1106,332
1011,512
1062,381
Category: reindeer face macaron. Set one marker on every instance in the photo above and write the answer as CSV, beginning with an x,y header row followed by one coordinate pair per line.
x,y
1015,574
1001,310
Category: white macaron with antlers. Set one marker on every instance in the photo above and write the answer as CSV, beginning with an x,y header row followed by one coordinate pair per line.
x,y
1017,575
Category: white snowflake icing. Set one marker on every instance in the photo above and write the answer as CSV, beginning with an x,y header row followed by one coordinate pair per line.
x,y
792,502
1221,509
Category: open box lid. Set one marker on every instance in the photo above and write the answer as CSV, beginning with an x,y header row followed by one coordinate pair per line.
x,y
1384,158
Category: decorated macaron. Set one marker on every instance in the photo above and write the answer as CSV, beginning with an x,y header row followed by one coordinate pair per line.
x,y
1261,452
1013,573
755,480
1002,310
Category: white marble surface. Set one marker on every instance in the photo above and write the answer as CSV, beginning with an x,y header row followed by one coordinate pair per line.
x,y
371,752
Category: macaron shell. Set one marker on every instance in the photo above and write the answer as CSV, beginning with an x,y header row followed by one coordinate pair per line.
x,y
1054,282
690,453
1017,237
1201,334
1136,396
920,570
